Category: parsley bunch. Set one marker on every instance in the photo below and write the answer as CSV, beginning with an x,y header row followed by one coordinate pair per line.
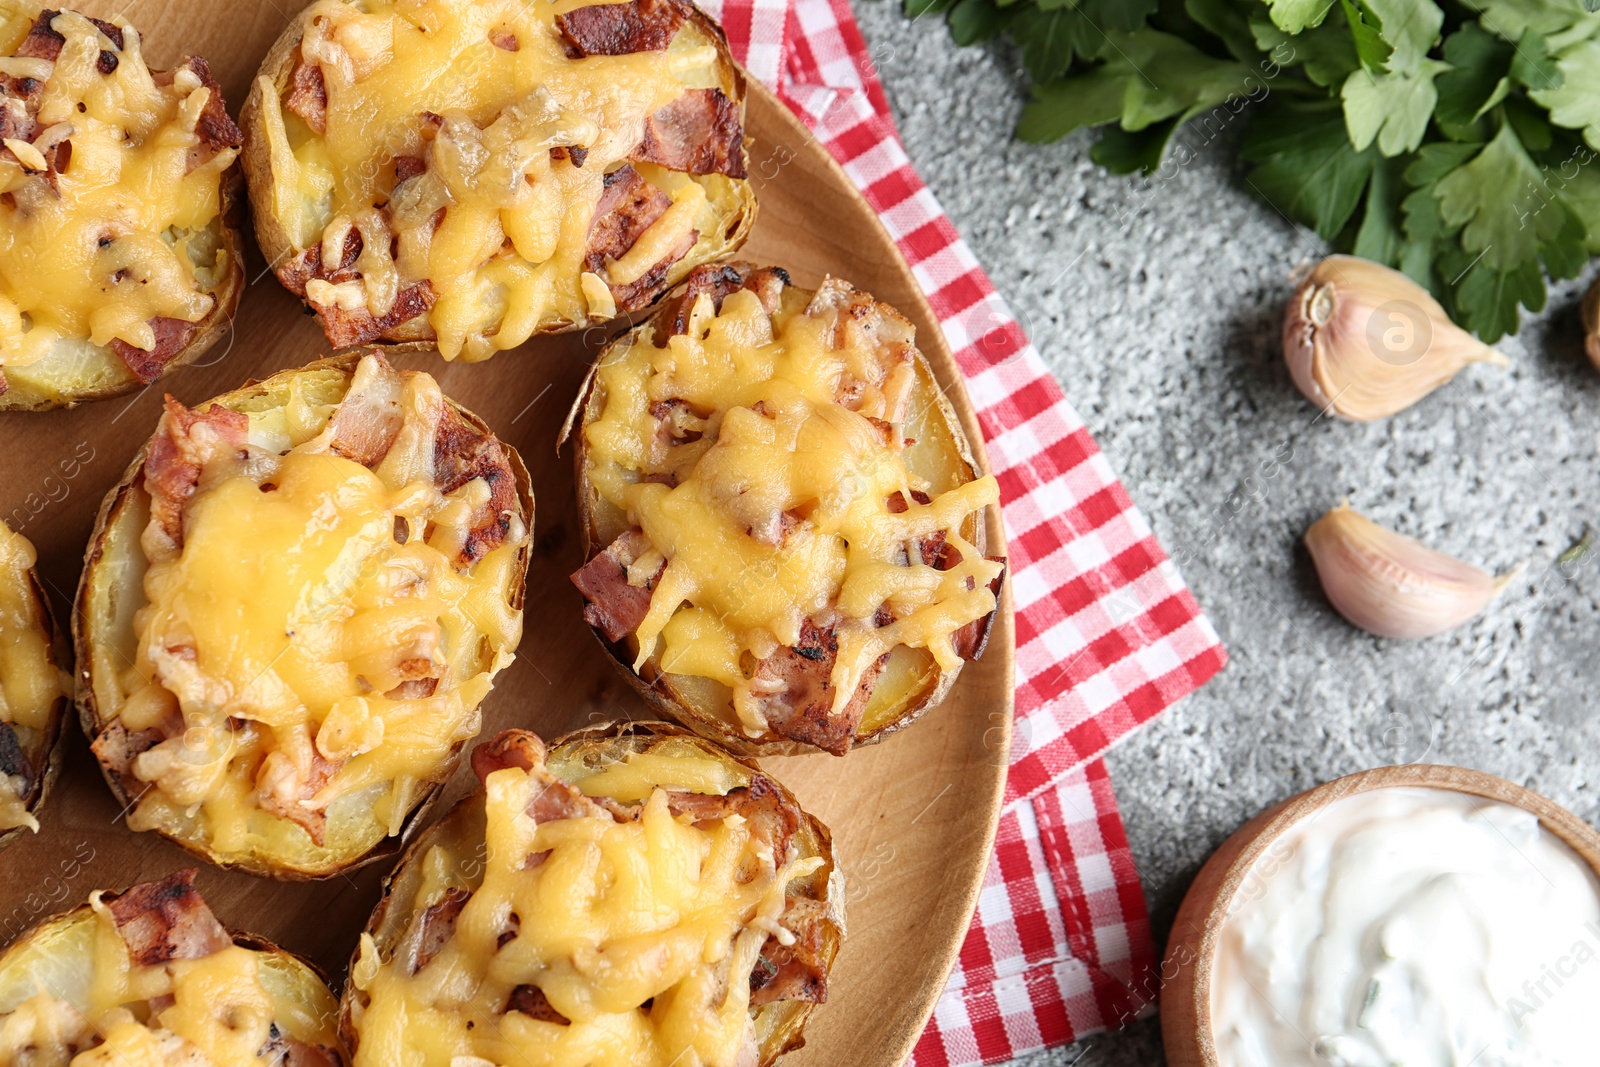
x,y
1453,140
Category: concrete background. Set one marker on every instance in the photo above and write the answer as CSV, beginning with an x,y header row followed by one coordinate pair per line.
x,y
1158,308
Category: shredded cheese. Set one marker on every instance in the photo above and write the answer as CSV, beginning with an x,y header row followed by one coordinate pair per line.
x,y
642,935
70,994
792,408
308,593
30,682
120,231
427,80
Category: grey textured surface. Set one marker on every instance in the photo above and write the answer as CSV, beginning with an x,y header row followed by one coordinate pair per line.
x,y
1158,308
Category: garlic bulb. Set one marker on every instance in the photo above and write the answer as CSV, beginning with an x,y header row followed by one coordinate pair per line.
x,y
1591,323
1365,342
1392,585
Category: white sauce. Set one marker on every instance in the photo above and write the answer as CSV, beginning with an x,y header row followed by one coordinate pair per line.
x,y
1411,926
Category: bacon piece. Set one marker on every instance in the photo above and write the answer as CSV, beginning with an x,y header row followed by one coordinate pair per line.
x,y
186,441
898,505
368,419
309,265
167,920
577,153
642,290
172,335
43,42
505,41
117,746
281,1050
13,761
435,929
698,133
531,1001
627,207
802,708
511,748
556,800
615,607
620,29
347,329
674,422
797,971
461,453
15,122
973,638
286,797
719,281
408,167
772,818
214,128
308,96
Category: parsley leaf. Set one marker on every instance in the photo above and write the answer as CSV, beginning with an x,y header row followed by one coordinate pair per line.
x,y
1292,16
1513,18
1327,53
1575,102
1533,66
1371,48
1308,169
1410,27
1147,77
1392,109
1479,77
972,21
1482,196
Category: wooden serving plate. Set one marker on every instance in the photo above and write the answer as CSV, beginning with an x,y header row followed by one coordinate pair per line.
x,y
1191,951
913,819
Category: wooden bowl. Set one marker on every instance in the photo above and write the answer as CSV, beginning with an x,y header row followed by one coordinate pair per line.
x,y
913,819
1191,950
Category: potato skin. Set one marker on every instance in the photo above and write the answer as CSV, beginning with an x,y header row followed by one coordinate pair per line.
x,y
208,331
88,631
781,1026
49,754
418,335
657,690
58,927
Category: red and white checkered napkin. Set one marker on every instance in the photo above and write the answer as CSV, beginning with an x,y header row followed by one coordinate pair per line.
x,y
1107,634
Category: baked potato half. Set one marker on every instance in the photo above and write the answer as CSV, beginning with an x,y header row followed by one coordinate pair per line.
x,y
150,976
120,205
784,520
34,688
468,173
293,605
630,894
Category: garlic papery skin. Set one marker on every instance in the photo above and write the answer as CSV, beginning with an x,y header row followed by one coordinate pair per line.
x,y
1393,585
1363,341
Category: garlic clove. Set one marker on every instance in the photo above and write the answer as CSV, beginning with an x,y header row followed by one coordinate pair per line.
x,y
1364,341
1393,585
1590,313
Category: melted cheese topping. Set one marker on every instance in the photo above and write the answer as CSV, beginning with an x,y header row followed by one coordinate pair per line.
x,y
282,633
30,682
220,1010
775,441
642,934
508,258
126,233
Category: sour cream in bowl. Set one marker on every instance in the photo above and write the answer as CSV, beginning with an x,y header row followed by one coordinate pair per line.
x,y
1426,916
